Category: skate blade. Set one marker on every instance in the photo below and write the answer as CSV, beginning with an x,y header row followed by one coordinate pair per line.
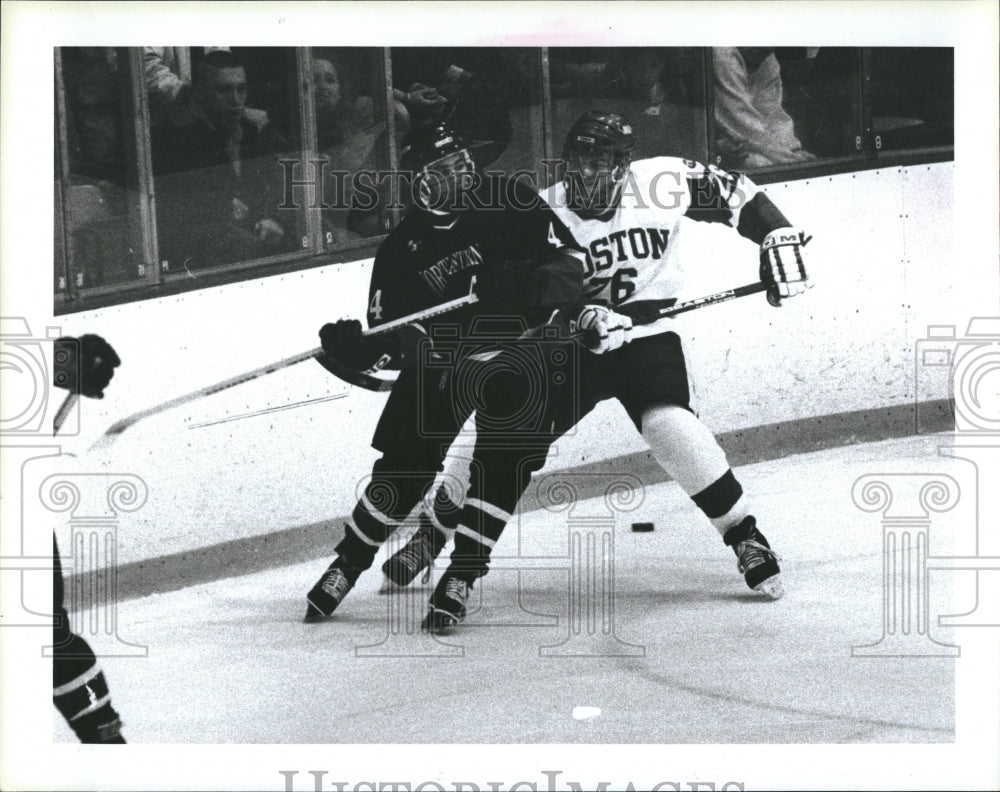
x,y
314,614
439,623
772,588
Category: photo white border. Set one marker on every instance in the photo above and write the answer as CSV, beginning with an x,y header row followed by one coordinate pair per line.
x,y
29,33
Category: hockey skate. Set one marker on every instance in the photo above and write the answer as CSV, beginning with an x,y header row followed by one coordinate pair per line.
x,y
416,555
323,599
756,561
447,605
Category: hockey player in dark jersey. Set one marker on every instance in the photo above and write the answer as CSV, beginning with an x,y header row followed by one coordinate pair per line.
x,y
608,207
446,245
83,365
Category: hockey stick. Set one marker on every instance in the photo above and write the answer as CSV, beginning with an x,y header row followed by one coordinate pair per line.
x,y
648,311
64,410
112,432
641,312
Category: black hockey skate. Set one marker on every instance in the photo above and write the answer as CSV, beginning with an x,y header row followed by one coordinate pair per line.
x,y
447,605
416,555
323,599
757,562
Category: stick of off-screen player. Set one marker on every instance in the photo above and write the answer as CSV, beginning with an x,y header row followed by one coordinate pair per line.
x,y
64,410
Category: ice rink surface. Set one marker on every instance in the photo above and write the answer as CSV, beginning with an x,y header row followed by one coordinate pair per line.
x,y
644,638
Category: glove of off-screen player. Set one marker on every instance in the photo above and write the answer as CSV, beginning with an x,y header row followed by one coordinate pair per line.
x,y
84,365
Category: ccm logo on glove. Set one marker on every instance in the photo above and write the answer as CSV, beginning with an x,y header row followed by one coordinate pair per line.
x,y
782,266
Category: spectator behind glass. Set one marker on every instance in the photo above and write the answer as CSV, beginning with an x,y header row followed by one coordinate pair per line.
x,y
345,132
752,128
216,179
166,70
338,115
168,73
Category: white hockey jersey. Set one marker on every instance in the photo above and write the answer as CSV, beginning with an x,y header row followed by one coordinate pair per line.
x,y
629,255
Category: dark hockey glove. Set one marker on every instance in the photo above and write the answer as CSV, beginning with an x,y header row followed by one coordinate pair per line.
x,y
84,365
345,342
512,287
782,266
560,279
532,289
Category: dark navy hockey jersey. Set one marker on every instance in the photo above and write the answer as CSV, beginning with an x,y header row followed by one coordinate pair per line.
x,y
430,259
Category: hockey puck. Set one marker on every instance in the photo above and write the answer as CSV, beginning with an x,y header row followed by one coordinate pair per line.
x,y
642,527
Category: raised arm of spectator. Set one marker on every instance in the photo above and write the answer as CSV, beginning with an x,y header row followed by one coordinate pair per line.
x,y
163,80
753,115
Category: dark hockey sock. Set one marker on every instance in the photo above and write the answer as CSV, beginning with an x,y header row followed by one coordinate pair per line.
x,y
355,552
723,502
101,726
444,518
475,537
80,693
384,505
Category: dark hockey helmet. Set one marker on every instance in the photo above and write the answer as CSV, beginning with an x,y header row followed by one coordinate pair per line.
x,y
442,167
598,130
427,144
596,159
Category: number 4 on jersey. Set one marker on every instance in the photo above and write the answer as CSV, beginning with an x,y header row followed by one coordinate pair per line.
x,y
375,306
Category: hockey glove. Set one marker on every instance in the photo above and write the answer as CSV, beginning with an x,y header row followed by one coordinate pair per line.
x,y
533,289
84,365
510,288
345,342
604,330
782,267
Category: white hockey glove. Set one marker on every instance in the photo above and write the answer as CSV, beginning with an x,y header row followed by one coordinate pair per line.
x,y
782,266
604,330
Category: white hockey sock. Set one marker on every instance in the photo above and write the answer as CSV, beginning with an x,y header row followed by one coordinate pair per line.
x,y
689,452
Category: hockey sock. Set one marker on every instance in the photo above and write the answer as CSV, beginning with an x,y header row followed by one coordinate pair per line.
x,y
689,452
475,537
443,518
382,508
355,549
80,693
723,502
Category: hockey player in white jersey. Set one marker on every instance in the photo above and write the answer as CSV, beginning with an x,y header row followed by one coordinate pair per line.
x,y
625,214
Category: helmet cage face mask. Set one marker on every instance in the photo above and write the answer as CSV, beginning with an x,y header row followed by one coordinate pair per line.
x,y
594,177
442,183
